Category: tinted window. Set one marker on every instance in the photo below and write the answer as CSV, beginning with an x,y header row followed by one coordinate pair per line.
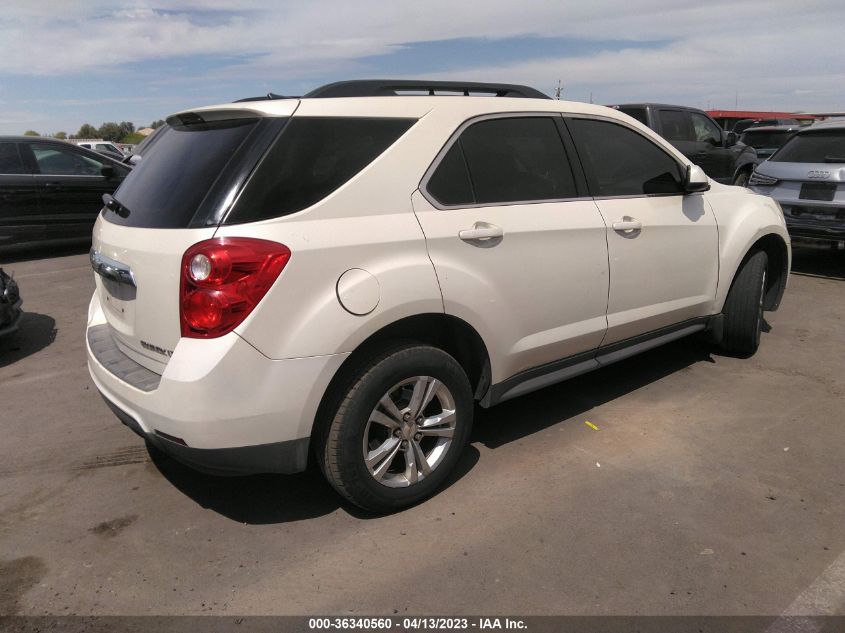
x,y
59,161
826,146
765,139
621,162
638,113
311,158
517,159
705,130
167,188
675,125
450,184
10,160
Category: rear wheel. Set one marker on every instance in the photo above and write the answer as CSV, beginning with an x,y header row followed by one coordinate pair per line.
x,y
744,306
400,429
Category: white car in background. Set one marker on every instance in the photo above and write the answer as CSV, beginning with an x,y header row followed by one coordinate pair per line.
x,y
341,276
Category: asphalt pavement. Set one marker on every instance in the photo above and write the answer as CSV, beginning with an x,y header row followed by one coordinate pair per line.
x,y
709,485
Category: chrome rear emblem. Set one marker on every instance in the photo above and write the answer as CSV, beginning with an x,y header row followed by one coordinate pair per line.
x,y
818,173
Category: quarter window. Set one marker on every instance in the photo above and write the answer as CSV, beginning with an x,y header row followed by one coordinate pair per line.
x,y
621,162
515,159
312,158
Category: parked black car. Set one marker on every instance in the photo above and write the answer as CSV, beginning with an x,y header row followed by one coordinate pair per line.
x,y
10,304
767,139
51,190
699,138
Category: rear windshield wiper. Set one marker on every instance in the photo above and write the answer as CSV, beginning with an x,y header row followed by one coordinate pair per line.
x,y
834,159
112,204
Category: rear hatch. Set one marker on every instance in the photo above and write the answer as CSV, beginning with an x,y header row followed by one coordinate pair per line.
x,y
172,199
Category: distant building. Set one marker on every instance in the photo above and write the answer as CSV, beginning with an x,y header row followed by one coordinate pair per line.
x,y
145,131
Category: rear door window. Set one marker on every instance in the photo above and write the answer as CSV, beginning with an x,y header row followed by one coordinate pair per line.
x,y
675,125
504,160
312,157
823,146
621,162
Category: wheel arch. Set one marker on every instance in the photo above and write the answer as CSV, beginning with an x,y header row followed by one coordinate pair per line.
x,y
777,269
449,333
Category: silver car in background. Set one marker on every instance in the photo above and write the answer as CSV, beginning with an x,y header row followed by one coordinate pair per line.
x,y
807,177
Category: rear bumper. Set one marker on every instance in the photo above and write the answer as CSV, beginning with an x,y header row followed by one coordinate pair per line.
x,y
279,457
220,406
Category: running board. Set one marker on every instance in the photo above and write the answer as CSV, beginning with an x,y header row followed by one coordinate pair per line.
x,y
566,368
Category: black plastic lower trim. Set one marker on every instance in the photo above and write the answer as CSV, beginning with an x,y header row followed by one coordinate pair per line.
x,y
279,457
566,368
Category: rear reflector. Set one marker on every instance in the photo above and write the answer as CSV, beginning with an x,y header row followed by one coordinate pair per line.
x,y
223,279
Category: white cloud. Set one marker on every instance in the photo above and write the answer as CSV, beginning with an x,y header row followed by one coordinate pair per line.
x,y
774,53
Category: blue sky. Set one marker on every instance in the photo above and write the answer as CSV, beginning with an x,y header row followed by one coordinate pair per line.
x,y
64,63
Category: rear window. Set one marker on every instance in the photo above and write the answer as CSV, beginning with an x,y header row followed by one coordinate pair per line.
x,y
638,113
312,158
826,146
175,181
765,140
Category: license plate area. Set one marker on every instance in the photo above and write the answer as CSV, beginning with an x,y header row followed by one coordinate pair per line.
x,y
821,191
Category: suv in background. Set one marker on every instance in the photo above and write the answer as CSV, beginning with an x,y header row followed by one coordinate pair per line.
x,y
743,124
807,177
699,138
343,275
767,139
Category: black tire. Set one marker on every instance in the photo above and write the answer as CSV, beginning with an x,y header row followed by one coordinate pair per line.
x,y
744,306
341,455
742,177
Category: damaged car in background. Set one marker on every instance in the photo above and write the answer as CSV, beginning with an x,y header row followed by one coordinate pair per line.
x,y
10,304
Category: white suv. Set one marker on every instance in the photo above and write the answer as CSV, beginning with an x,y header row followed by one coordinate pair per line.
x,y
344,275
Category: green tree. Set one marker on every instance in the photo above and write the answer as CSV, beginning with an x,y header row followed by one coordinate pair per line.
x,y
87,131
111,131
60,135
156,124
31,133
126,128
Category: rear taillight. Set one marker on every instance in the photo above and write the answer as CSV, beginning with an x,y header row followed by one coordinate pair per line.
x,y
223,279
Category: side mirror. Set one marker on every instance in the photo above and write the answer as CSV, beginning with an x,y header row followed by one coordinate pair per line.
x,y
696,180
730,139
107,171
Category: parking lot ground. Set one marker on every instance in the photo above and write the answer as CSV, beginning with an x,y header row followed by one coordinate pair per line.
x,y
712,485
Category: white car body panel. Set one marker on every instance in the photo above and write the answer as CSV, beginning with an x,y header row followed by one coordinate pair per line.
x,y
560,283
560,245
664,273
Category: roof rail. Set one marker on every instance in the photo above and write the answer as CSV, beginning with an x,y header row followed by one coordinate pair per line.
x,y
397,87
268,97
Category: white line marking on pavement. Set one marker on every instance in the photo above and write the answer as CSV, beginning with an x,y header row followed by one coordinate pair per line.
x,y
823,597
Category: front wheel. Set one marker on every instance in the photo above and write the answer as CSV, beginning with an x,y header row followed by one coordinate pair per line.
x,y
400,429
741,179
744,306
